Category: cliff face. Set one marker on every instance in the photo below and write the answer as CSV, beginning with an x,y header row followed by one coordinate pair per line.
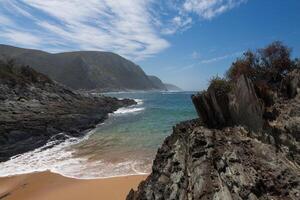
x,y
34,109
239,148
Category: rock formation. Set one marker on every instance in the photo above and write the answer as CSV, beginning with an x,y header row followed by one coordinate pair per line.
x,y
239,148
34,109
240,106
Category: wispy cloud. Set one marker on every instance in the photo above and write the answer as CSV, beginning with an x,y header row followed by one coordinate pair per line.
x,y
136,29
123,26
205,61
5,21
209,9
21,38
219,58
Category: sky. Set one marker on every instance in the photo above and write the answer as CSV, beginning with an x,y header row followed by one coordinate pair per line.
x,y
184,42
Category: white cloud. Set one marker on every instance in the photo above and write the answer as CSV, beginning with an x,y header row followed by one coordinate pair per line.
x,y
21,38
208,9
177,23
5,21
135,29
124,27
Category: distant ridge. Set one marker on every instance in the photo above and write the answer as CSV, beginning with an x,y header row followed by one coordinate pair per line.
x,y
88,70
171,87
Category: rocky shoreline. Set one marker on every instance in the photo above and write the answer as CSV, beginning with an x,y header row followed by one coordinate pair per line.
x,y
34,109
245,144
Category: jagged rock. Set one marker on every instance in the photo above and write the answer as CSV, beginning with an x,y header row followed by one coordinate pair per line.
x,y
285,129
200,163
245,107
291,83
261,161
34,109
209,109
240,106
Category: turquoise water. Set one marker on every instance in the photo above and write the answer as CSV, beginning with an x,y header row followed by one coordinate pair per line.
x,y
126,143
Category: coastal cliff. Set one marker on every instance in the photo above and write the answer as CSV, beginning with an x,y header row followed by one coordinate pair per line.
x,y
245,144
34,109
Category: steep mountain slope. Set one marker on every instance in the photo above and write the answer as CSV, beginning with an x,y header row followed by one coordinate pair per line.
x,y
84,69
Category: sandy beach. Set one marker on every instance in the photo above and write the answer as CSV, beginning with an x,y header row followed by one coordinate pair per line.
x,y
50,186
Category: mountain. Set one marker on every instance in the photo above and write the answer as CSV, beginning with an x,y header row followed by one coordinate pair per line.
x,y
157,82
34,109
87,70
171,87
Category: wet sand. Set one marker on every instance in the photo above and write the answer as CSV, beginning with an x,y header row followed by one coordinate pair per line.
x,y
50,186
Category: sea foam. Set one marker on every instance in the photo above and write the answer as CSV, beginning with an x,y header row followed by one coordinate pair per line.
x,y
60,158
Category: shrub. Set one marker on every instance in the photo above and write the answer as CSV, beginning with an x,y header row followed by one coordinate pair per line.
x,y
245,65
275,60
220,85
270,64
12,74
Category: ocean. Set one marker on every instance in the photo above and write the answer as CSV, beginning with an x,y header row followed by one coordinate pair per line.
x,y
125,144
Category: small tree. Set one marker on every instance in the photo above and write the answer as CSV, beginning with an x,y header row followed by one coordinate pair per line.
x,y
275,60
245,65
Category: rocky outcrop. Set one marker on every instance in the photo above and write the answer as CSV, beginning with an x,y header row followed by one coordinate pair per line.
x,y
34,110
239,148
239,106
291,84
200,163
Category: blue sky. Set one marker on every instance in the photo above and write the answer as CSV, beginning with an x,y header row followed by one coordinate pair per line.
x,y
184,42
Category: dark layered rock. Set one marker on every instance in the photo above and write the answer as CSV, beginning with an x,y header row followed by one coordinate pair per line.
x,y
200,163
245,107
239,148
34,110
240,106
291,83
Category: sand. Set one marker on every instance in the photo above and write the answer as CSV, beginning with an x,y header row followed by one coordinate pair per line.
x,y
50,186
